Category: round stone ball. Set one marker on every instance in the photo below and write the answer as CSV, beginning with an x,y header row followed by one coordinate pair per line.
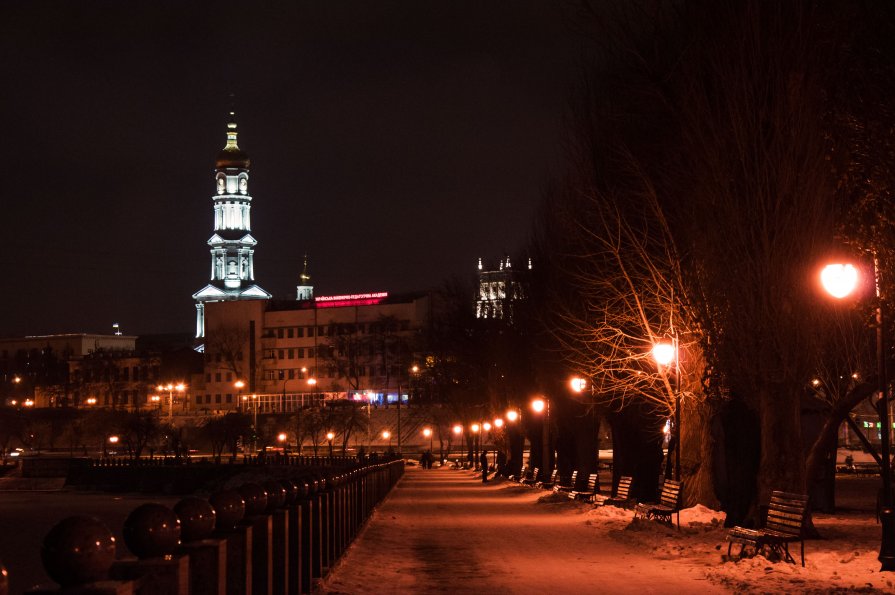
x,y
151,531
276,494
229,508
197,518
255,498
292,491
4,579
78,550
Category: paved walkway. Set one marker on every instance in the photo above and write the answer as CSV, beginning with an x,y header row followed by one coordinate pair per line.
x,y
443,531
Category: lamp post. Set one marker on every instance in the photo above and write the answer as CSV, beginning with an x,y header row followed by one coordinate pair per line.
x,y
664,354
427,432
542,405
179,387
329,437
254,423
239,384
840,280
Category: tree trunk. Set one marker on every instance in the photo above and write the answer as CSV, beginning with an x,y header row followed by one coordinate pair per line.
x,y
782,464
697,452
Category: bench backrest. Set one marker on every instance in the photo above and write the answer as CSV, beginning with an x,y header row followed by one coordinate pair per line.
x,y
624,486
554,476
786,512
573,479
593,482
671,493
534,474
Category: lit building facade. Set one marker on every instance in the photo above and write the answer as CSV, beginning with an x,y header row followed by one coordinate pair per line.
x,y
500,289
288,354
232,245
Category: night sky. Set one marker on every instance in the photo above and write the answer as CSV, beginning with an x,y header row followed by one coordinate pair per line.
x,y
394,142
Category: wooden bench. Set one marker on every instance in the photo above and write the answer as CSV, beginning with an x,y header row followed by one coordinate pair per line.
x,y
621,498
786,515
523,473
567,487
530,481
588,493
549,484
669,503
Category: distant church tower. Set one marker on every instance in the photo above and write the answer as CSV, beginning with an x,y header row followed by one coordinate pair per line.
x,y
500,290
232,245
304,291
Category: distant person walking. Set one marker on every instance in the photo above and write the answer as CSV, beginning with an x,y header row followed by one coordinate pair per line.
x,y
483,460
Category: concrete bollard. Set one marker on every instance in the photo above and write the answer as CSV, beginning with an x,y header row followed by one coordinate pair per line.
x,y
207,556
261,524
152,533
230,507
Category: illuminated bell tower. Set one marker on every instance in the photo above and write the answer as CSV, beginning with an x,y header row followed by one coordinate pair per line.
x,y
232,245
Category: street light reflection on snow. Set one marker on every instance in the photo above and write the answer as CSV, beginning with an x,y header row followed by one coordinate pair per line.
x,y
839,280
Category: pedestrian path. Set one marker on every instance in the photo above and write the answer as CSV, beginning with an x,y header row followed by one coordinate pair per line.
x,y
444,531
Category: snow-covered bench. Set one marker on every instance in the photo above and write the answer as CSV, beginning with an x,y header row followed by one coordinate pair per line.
x,y
567,487
621,498
530,481
786,514
590,491
669,503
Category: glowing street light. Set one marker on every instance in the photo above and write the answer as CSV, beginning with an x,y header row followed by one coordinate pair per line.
x,y
663,353
498,423
539,405
458,429
427,432
840,280
578,384
329,437
486,426
91,400
179,387
512,415
113,439
28,403
475,428
281,437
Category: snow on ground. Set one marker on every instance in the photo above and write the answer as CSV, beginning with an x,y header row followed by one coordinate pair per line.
x,y
444,531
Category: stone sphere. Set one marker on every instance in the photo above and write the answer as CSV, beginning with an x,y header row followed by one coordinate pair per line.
x,y
197,518
276,494
229,508
151,531
292,491
4,579
77,550
255,498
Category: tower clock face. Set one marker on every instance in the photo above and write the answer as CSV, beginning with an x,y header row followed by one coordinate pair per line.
x,y
220,185
243,185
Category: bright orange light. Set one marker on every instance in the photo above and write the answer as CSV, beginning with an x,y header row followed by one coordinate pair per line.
x,y
538,405
839,280
427,432
90,401
512,415
180,387
312,381
578,384
475,428
330,435
113,439
153,398
415,369
239,384
16,379
663,353
29,403
245,397
486,426
281,436
458,429
386,434
498,422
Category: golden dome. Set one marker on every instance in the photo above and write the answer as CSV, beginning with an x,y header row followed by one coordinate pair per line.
x,y
231,156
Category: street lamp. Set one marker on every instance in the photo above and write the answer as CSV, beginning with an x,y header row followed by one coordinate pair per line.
x,y
665,353
239,385
329,437
179,387
498,423
542,405
427,432
840,280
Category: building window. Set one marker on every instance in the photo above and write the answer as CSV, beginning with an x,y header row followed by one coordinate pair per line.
x,y
310,331
217,376
229,397
281,354
229,376
291,374
217,398
310,352
291,354
300,332
290,332
208,377
269,374
279,333
301,353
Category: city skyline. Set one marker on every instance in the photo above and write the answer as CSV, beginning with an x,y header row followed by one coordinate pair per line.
x,y
392,144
